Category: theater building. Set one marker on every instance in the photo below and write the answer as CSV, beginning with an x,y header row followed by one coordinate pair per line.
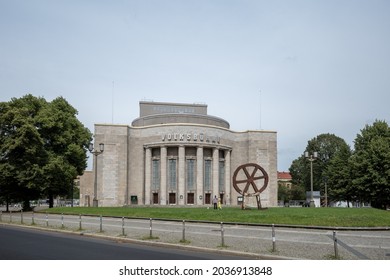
x,y
177,154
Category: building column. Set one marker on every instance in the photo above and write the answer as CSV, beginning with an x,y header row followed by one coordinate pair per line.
x,y
227,177
148,174
215,172
182,176
163,186
199,177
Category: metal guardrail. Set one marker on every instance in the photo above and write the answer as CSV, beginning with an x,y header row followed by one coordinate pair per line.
x,y
271,240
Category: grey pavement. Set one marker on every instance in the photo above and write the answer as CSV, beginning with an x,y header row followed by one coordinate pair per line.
x,y
254,241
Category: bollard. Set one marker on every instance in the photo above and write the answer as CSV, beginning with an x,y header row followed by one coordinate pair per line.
x,y
10,216
32,218
336,249
150,229
273,239
222,236
80,228
123,226
47,220
1,216
101,223
62,220
21,216
184,231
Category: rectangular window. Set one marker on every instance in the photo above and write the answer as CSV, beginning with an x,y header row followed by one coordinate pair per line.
x,y
155,175
172,174
221,176
207,175
190,174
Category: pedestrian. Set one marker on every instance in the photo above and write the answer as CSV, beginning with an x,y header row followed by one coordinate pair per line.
x,y
219,204
215,202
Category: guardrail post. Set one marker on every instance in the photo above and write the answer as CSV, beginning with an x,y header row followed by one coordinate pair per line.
x,y
222,235
123,226
184,231
336,249
150,228
273,239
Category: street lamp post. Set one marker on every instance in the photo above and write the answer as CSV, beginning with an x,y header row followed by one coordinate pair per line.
x,y
311,158
95,153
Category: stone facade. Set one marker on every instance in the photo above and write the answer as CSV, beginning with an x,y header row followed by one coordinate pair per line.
x,y
85,183
179,158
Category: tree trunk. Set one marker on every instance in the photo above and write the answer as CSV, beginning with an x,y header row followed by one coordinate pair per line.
x,y
26,205
51,200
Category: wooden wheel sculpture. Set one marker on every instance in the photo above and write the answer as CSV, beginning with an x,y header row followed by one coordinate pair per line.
x,y
250,180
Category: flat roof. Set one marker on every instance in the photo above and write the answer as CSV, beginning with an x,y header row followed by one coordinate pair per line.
x,y
148,108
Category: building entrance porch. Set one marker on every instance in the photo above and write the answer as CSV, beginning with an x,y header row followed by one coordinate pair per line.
x,y
179,175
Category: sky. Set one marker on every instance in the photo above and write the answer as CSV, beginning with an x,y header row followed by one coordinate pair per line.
x,y
300,68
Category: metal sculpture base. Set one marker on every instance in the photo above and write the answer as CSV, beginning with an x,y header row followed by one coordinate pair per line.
x,y
246,206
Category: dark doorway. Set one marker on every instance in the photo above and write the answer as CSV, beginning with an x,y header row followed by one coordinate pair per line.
x,y
172,198
207,198
190,198
155,198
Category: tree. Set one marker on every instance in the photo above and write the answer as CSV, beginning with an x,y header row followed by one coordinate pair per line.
x,y
66,142
290,193
21,149
371,164
297,193
43,148
339,176
326,145
283,193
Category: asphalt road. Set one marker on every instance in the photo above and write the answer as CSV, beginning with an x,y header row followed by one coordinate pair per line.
x,y
290,243
31,244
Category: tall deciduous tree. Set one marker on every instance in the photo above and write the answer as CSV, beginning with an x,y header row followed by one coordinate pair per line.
x,y
22,154
371,164
43,148
326,145
66,141
339,176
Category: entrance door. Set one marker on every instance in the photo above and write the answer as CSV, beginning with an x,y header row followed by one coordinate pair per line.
x,y
207,198
172,198
190,198
155,198
221,196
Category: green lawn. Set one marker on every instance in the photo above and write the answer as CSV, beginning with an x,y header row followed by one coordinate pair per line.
x,y
335,217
